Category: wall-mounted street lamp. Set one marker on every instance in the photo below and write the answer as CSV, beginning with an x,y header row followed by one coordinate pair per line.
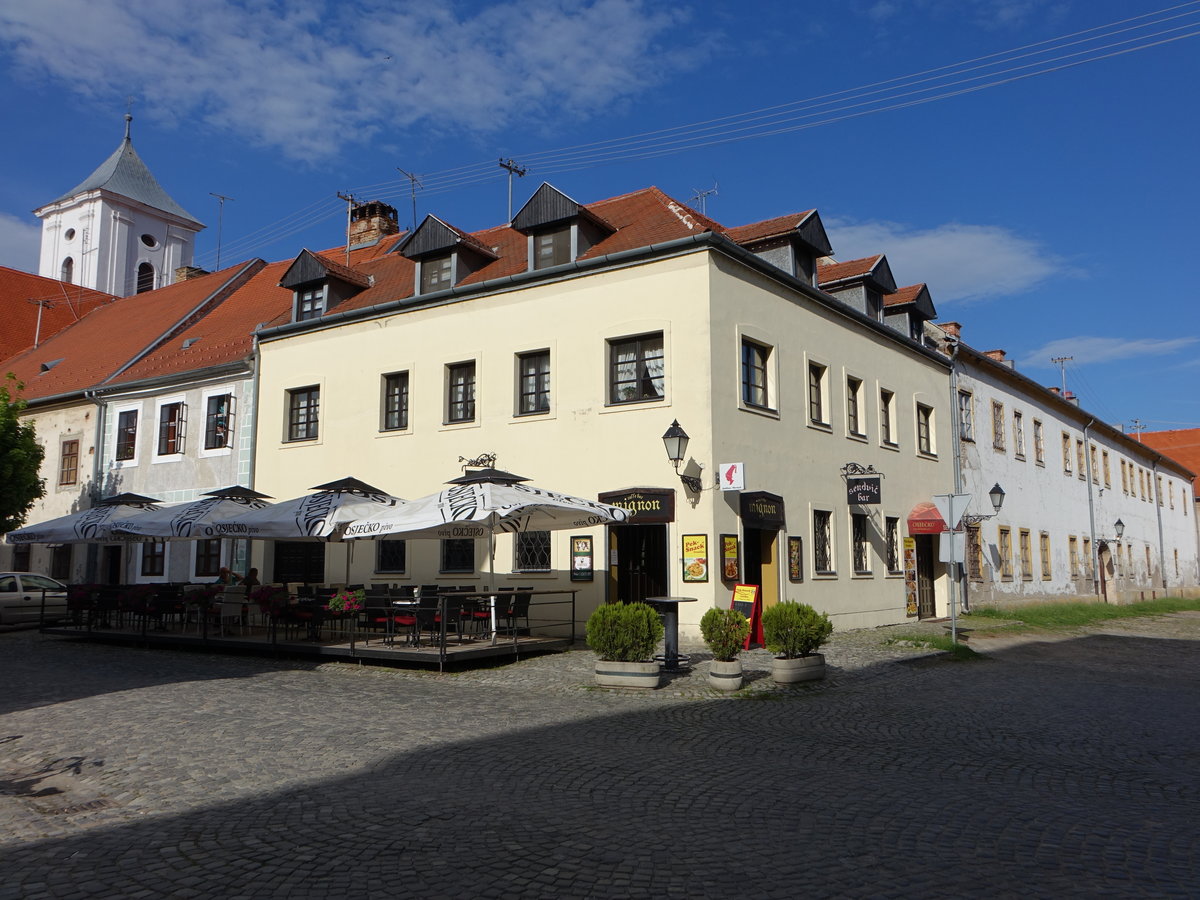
x,y
1119,528
676,441
996,495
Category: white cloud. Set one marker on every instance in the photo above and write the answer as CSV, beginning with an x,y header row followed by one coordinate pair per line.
x,y
309,76
1087,350
19,243
959,262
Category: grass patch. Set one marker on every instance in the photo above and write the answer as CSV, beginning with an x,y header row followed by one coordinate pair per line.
x,y
936,642
1069,615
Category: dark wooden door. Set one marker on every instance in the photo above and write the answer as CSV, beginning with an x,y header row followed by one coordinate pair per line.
x,y
641,561
926,607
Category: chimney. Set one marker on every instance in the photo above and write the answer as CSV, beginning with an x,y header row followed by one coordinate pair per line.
x,y
187,273
1055,389
954,329
369,222
997,355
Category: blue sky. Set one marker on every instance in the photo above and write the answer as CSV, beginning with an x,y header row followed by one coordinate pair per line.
x,y
1051,211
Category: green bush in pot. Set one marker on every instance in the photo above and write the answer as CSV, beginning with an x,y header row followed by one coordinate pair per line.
x,y
624,632
724,631
793,630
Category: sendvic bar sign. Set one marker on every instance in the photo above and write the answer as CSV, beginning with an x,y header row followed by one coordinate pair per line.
x,y
863,491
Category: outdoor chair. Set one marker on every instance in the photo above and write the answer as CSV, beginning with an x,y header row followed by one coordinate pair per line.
x,y
229,612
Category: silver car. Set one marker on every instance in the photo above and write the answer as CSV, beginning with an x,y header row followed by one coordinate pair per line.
x,y
21,597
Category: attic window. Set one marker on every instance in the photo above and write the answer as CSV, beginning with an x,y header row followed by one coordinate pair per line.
x,y
47,366
149,241
436,274
189,341
552,248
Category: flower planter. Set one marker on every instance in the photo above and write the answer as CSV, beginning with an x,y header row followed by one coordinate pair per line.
x,y
801,668
725,675
627,674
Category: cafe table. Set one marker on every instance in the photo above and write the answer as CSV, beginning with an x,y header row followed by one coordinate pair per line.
x,y
669,608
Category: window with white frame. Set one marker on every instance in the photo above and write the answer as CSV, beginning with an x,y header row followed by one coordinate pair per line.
x,y
925,429
636,368
1066,453
395,402
816,394
1107,470
460,392
1018,434
154,559
533,379
171,428
755,360
823,542
208,558
310,304
887,407
966,416
854,406
1044,552
1039,443
127,422
1080,459
218,421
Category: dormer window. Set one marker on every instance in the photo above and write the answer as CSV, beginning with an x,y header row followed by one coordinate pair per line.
x,y
437,274
552,248
310,303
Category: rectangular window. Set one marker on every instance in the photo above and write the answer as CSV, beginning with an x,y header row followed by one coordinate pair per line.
x,y
887,402
218,422
1171,492
754,374
925,429
966,416
997,425
1073,555
60,562
310,304
552,248
1158,489
458,555
853,396
1005,548
533,551
1081,460
1026,549
1018,434
154,559
395,401
1087,556
858,543
1093,461
1044,551
1039,443
170,429
391,556
822,542
1107,471
68,463
1149,563
816,394
893,545
533,373
974,553
208,558
435,274
636,369
460,392
304,413
1066,450
127,434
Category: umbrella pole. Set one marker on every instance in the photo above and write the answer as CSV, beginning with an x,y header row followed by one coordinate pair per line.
x,y
492,579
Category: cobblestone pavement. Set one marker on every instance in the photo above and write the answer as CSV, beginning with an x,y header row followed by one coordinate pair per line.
x,y
1062,765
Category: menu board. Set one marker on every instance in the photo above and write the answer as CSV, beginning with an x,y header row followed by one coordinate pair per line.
x,y
695,558
581,558
910,576
795,547
746,601
731,563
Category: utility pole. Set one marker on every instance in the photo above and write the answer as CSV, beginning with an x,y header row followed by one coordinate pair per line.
x,y
221,198
1137,427
350,201
1061,362
699,196
40,304
413,183
513,169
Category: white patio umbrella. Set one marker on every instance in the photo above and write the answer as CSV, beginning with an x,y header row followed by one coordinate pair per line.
x,y
201,519
95,525
481,504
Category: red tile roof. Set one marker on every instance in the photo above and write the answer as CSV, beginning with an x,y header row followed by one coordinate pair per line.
x,y
1182,445
96,348
768,228
853,268
62,304
904,295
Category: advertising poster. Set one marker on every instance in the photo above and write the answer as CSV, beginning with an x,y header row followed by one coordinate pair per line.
x,y
695,558
910,576
795,559
581,558
731,564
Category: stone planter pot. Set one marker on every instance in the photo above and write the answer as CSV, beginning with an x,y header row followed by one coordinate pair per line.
x,y
725,676
802,668
628,674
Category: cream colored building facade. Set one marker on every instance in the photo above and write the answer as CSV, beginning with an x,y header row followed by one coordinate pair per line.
x,y
692,312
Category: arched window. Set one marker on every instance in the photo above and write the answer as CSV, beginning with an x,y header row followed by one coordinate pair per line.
x,y
68,270
145,278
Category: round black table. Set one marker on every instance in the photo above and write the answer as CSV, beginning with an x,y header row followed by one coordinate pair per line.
x,y
669,607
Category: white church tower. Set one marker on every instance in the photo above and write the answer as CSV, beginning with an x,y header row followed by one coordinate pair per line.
x,y
118,232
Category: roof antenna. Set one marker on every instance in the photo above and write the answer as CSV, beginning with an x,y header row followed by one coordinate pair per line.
x,y
1061,362
513,169
351,200
414,182
699,196
128,114
221,198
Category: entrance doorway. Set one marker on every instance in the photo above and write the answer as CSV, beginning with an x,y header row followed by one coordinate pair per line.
x,y
110,564
637,562
761,553
300,561
926,605
1106,568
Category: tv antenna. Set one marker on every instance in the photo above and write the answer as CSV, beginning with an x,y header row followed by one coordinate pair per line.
x,y
699,197
513,169
221,198
414,182
350,201
1061,362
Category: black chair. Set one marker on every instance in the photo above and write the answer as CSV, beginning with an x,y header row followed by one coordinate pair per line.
x,y
520,607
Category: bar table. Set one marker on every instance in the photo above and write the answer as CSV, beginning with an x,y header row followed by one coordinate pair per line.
x,y
669,608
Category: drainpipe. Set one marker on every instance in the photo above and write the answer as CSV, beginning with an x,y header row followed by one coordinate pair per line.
x,y
97,488
254,394
1162,550
957,570
1087,461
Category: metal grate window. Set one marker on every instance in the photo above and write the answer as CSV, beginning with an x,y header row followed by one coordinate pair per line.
x,y
391,556
533,551
822,547
458,555
858,540
893,545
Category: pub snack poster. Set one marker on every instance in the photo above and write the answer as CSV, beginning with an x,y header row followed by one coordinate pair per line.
x,y
695,558
731,563
910,576
795,547
581,558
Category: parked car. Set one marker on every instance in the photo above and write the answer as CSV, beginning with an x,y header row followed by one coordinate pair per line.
x,y
21,597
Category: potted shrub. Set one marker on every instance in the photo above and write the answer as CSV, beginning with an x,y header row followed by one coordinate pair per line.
x,y
623,636
793,632
724,631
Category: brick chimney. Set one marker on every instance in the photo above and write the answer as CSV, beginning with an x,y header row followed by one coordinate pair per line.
x,y
187,273
954,329
371,221
998,355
